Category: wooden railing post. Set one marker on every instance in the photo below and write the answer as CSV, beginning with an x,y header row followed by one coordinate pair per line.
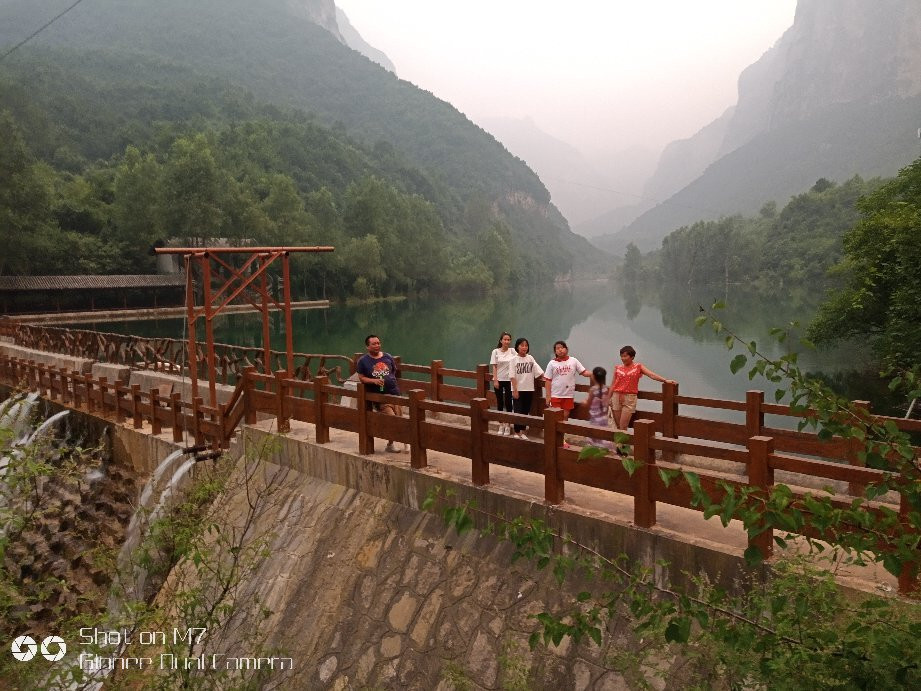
x,y
418,456
852,453
908,576
482,375
57,384
155,427
479,427
178,423
365,440
88,382
436,379
75,382
754,417
281,408
117,390
320,401
226,434
102,396
554,490
249,407
137,416
51,370
761,475
669,415
197,403
644,505
66,388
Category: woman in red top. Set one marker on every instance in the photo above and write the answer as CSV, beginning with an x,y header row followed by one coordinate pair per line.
x,y
622,395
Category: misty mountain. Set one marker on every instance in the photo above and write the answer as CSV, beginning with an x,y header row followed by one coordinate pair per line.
x,y
838,95
292,53
580,188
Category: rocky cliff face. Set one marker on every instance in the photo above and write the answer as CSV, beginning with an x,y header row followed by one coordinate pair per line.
x,y
836,96
321,12
355,41
836,52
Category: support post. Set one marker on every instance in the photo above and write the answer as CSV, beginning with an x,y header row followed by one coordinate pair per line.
x,y
908,576
249,406
320,401
418,456
117,391
102,396
436,379
191,318
155,427
856,489
205,262
644,506
761,475
669,416
178,423
197,403
482,375
75,381
281,407
479,427
289,329
266,342
754,417
553,439
88,382
365,440
136,414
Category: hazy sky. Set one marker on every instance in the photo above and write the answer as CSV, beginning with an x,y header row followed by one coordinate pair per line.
x,y
599,74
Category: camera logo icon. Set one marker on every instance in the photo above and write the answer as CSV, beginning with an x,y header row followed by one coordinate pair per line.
x,y
24,648
53,641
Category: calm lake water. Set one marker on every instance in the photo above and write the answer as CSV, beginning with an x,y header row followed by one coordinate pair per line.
x,y
593,318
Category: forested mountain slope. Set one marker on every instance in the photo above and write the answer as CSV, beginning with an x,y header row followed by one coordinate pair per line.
x,y
273,52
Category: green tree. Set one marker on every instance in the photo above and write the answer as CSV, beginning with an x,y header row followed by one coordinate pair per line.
x,y
193,191
632,270
882,266
27,229
137,210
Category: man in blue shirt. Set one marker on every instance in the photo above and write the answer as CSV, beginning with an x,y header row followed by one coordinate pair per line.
x,y
377,370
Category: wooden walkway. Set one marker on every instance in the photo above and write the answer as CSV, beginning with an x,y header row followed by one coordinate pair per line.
x,y
452,424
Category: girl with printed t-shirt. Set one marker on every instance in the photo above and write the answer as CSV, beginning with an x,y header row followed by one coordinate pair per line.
x,y
560,378
523,371
499,360
626,386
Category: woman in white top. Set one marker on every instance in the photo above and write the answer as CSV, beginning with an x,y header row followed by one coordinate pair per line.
x,y
523,372
500,358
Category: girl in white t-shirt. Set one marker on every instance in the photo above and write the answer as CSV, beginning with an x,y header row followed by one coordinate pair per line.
x,y
523,372
501,356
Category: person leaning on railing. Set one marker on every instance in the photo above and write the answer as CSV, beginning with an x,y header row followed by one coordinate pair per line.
x,y
623,393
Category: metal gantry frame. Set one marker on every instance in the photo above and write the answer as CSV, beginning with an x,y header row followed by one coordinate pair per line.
x,y
243,281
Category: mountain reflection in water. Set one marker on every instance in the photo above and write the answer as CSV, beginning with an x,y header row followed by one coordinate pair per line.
x,y
594,318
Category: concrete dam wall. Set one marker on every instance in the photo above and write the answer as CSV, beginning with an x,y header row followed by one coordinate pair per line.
x,y
365,590
347,584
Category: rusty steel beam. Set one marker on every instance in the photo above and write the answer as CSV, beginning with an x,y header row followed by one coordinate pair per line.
x,y
240,250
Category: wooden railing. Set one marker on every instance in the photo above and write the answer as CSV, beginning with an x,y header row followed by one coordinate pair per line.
x,y
659,438
757,456
170,354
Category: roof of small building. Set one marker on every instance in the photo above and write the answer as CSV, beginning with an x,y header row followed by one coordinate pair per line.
x,y
116,282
